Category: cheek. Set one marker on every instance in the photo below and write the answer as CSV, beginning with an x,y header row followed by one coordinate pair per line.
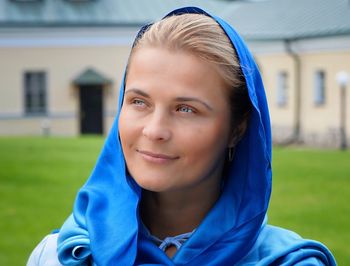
x,y
207,141
125,129
122,125
130,132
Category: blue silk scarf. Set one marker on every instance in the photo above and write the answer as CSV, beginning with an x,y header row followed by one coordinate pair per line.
x,y
104,227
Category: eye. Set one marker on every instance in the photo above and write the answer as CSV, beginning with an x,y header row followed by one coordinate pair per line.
x,y
138,102
185,109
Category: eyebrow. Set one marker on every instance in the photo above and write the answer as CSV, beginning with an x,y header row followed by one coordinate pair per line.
x,y
137,91
178,99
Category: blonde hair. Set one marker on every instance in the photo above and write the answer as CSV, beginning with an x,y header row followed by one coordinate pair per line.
x,y
202,36
199,35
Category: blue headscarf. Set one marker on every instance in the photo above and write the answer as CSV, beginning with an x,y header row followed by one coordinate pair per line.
x,y
105,224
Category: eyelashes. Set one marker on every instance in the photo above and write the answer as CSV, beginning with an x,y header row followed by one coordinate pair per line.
x,y
185,109
138,102
141,104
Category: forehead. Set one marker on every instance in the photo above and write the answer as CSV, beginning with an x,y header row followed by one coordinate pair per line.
x,y
155,66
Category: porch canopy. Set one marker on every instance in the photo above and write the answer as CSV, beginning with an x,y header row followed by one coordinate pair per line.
x,y
91,77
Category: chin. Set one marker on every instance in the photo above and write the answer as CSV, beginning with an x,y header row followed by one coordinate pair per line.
x,y
152,184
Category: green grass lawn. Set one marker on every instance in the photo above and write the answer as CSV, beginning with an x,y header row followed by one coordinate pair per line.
x,y
39,178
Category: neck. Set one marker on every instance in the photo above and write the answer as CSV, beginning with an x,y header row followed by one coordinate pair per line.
x,y
177,212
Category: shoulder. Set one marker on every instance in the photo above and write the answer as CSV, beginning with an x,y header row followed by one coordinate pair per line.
x,y
278,246
45,253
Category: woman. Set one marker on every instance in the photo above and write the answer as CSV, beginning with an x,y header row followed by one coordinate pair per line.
x,y
185,175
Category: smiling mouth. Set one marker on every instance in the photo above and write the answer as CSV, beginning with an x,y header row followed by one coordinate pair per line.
x,y
156,157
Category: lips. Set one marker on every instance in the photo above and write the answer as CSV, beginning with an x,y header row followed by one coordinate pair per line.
x,y
156,157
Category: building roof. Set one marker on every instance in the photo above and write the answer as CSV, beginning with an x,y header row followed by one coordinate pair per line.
x,y
255,20
291,19
93,12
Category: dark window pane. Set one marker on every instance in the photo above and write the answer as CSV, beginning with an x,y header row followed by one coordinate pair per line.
x,y
35,92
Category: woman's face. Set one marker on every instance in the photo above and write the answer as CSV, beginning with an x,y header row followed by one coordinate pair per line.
x,y
174,123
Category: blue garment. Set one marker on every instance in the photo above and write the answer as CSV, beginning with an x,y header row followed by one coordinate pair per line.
x,y
105,222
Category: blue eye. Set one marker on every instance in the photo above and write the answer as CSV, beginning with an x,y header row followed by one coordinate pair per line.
x,y
185,109
138,102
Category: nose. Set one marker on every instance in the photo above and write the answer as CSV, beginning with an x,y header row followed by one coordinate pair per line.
x,y
157,127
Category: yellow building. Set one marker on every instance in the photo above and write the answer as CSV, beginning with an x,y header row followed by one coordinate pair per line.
x,y
61,62
300,46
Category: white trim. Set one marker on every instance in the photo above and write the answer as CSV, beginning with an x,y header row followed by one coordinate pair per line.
x,y
329,44
267,47
56,115
314,45
22,116
118,36
66,37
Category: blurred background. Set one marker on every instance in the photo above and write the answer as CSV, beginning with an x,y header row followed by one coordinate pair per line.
x,y
61,64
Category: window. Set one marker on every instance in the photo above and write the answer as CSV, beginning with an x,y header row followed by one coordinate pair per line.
x,y
282,88
35,92
319,87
